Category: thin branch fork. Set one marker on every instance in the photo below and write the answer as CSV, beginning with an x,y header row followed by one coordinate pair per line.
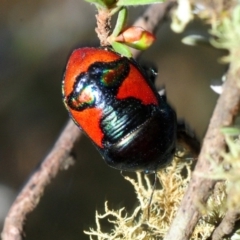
x,y
200,188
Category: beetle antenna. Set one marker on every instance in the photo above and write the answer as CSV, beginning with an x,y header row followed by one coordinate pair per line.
x,y
153,189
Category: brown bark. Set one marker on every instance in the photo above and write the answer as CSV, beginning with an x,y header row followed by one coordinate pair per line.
x,y
200,188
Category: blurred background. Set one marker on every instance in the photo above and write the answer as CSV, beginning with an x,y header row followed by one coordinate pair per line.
x,y
36,38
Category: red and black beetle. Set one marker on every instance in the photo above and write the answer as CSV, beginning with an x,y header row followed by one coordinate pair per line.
x,y
111,99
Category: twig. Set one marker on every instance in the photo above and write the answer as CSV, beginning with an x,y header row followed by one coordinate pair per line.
x,y
226,227
103,18
200,188
59,158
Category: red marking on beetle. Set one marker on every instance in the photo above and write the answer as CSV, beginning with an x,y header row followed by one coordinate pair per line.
x,y
88,120
136,86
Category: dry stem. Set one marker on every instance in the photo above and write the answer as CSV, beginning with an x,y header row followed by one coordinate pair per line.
x,y
200,188
103,26
226,227
59,158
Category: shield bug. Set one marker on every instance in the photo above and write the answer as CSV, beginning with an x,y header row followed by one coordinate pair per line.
x,y
113,101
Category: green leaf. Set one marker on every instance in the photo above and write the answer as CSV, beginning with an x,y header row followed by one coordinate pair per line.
x,y
232,131
121,20
137,2
121,49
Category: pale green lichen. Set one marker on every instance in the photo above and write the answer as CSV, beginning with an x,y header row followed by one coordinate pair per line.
x,y
211,12
223,18
181,16
174,180
163,206
227,36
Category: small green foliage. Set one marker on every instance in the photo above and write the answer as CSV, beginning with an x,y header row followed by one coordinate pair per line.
x,y
231,131
121,21
227,36
121,49
135,37
106,9
108,4
137,2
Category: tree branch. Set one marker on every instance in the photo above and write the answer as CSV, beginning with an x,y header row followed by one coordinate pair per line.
x,y
200,188
58,159
103,18
226,227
